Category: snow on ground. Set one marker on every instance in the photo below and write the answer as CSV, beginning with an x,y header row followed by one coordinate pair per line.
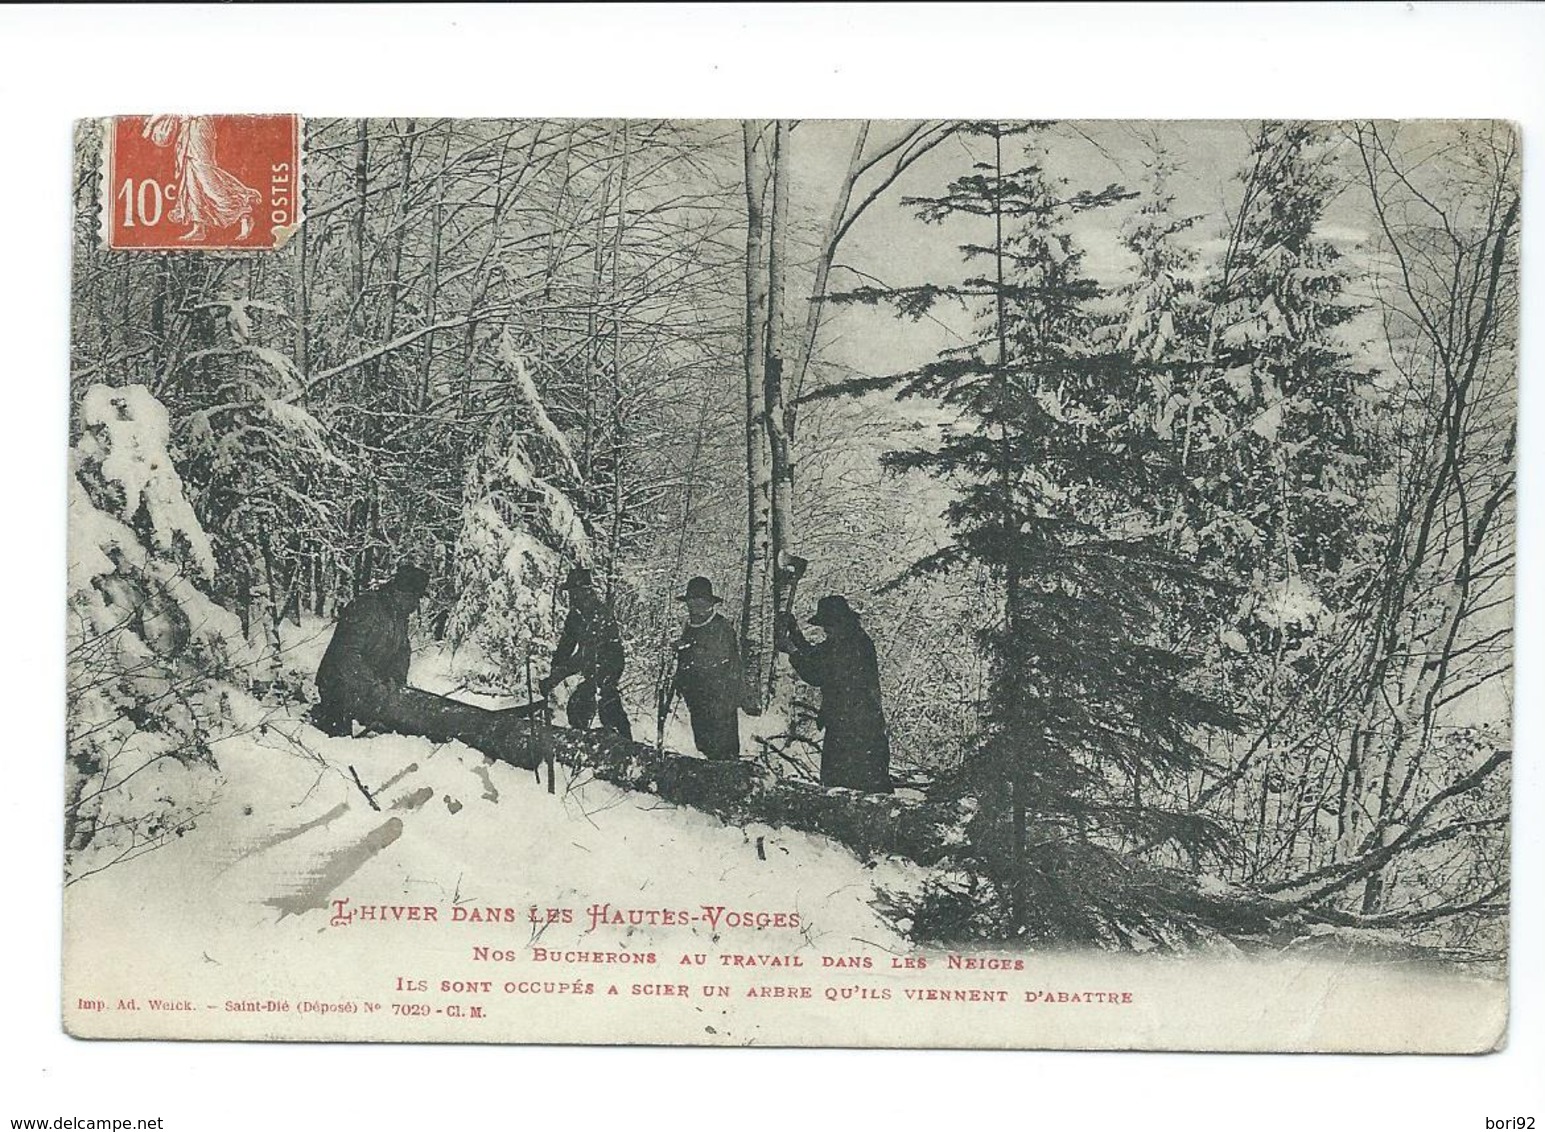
x,y
241,916
244,901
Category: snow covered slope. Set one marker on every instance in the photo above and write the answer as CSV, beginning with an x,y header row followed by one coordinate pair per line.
x,y
389,888
248,899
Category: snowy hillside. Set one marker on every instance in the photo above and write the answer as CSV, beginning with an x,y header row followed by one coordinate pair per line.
x,y
482,908
291,833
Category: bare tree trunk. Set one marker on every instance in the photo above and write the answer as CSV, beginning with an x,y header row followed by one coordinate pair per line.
x,y
159,355
755,639
361,188
302,308
594,346
823,266
432,285
780,459
262,612
400,228
357,322
1010,523
1019,898
619,505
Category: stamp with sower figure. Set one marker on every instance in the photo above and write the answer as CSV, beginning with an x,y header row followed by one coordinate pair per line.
x,y
227,182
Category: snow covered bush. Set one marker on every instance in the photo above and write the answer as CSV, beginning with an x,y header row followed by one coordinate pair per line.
x,y
520,533
252,454
146,646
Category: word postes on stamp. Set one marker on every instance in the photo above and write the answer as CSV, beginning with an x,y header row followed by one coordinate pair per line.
x,y
227,182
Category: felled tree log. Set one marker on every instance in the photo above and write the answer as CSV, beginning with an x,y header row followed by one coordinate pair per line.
x,y
510,735
870,824
720,788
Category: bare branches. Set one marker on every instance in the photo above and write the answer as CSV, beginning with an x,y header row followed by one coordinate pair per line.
x,y
901,154
1413,834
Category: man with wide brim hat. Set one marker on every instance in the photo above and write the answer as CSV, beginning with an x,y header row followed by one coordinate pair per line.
x,y
855,751
409,579
832,611
591,646
700,590
708,673
367,659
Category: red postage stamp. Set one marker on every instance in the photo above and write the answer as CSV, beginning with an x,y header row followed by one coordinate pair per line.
x,y
201,181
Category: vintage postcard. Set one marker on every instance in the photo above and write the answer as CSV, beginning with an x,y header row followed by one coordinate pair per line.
x,y
948,583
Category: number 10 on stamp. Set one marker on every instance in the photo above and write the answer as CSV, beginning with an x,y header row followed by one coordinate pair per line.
x,y
228,182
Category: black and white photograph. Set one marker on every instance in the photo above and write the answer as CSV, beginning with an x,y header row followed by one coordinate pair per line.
x,y
753,566
794,581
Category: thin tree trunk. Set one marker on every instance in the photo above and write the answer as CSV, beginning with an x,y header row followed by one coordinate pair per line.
x,y
619,505
158,321
363,561
432,286
754,638
1010,517
361,189
302,310
400,226
780,459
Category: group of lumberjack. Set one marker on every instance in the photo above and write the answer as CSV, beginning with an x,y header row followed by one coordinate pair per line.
x,y
366,667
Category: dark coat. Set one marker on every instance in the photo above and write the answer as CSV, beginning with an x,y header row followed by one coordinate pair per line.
x,y
856,752
710,680
368,656
591,645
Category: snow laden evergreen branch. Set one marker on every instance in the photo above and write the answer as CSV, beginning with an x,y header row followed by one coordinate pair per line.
x,y
1014,196
852,387
146,644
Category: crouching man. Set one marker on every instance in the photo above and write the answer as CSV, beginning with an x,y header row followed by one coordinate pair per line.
x,y
366,662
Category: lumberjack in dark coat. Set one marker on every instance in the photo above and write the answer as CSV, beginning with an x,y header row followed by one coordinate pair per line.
x,y
366,662
708,673
856,752
591,646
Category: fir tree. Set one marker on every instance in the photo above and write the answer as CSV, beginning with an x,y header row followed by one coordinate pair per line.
x,y
1279,454
1281,450
1055,475
520,531
1163,327
251,450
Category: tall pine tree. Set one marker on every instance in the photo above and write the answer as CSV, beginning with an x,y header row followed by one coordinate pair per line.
x,y
1281,452
1055,474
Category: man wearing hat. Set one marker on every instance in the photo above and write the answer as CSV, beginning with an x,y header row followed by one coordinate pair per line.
x,y
708,673
856,752
367,659
591,646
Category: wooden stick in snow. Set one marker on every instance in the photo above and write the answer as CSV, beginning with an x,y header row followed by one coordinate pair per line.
x,y
362,789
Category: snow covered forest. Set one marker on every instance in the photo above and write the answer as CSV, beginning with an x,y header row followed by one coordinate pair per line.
x,y
1169,465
